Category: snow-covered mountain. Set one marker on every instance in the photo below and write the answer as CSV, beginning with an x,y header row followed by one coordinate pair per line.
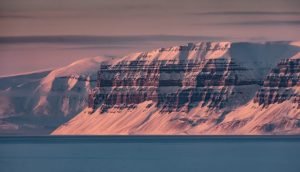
x,y
36,103
203,88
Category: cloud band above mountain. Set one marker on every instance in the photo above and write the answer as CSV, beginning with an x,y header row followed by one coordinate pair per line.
x,y
79,39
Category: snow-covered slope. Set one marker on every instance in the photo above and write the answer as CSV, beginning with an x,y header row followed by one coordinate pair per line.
x,y
203,88
36,103
64,90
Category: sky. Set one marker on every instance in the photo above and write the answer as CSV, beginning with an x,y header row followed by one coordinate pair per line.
x,y
43,34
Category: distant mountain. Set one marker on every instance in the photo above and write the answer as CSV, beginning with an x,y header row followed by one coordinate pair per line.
x,y
37,103
203,88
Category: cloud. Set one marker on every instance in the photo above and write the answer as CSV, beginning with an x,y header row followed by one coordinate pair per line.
x,y
102,40
250,23
246,13
112,47
8,16
264,23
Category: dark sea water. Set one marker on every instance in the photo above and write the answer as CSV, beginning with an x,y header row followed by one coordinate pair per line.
x,y
154,153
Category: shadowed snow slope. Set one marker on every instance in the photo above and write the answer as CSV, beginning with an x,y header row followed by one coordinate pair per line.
x,y
203,88
36,103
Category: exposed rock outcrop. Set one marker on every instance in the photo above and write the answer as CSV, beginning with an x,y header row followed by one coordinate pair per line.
x,y
281,84
172,85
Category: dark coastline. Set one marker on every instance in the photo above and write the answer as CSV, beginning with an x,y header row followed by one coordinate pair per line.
x,y
146,138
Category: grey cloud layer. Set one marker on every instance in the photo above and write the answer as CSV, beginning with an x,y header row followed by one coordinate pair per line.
x,y
264,23
101,39
246,13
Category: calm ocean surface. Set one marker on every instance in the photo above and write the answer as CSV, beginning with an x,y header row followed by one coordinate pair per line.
x,y
150,153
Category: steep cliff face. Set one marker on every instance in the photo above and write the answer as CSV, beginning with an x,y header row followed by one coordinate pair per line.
x,y
281,84
275,107
204,88
175,85
176,79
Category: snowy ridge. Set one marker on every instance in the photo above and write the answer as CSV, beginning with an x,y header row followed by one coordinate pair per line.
x,y
194,52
